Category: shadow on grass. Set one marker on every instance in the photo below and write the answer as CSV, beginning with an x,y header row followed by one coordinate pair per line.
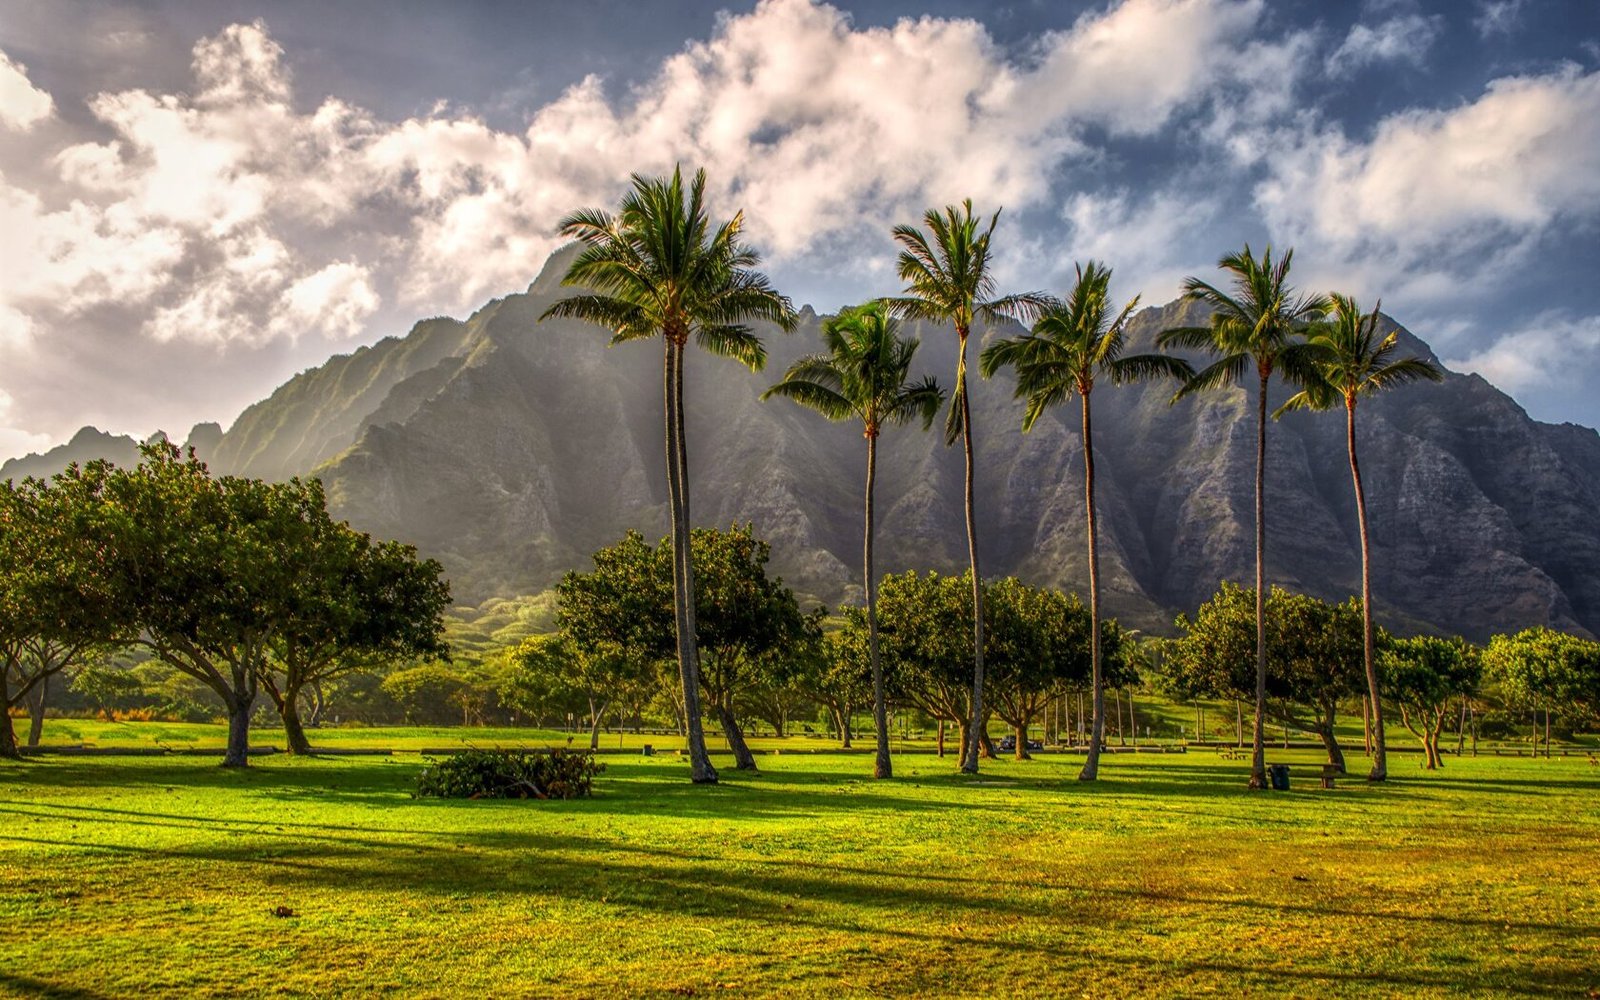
x,y
816,897
28,986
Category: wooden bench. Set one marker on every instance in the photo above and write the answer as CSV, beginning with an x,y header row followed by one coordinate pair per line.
x,y
1232,753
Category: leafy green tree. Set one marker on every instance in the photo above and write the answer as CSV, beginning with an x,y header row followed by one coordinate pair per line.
x,y
56,586
437,693
1356,362
828,670
1040,641
659,268
1258,325
1424,674
925,637
356,605
741,614
1313,661
556,672
1543,669
866,375
207,565
1072,344
948,280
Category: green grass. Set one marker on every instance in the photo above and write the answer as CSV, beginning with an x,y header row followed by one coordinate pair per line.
x,y
159,876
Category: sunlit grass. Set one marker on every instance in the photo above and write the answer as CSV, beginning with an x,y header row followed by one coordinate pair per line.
x,y
131,876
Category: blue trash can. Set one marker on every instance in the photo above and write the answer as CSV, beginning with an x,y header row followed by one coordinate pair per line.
x,y
1279,774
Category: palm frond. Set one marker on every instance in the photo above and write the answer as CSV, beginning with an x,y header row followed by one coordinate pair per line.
x,y
1144,367
733,341
1223,372
812,395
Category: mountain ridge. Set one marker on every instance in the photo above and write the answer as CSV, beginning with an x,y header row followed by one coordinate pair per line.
x,y
511,449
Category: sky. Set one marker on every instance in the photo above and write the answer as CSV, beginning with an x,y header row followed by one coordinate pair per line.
x,y
199,200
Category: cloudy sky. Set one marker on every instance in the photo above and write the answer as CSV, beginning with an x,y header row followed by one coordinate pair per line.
x,y
199,200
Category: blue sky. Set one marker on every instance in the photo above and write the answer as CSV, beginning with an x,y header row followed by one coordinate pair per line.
x,y
202,199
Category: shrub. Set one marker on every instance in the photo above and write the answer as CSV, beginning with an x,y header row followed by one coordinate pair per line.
x,y
509,774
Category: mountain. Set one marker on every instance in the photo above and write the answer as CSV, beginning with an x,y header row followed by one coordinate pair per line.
x,y
511,449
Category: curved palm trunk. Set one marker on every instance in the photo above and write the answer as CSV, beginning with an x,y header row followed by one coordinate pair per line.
x,y
880,713
970,749
1258,754
1091,763
1380,759
700,769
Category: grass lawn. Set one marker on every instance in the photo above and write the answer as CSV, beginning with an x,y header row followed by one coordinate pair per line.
x,y
160,876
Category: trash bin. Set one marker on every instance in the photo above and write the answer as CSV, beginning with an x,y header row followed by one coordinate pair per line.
x,y
647,750
1279,773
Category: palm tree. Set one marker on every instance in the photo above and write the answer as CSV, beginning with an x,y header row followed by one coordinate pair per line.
x,y
1258,324
1073,343
1356,362
948,281
658,267
865,374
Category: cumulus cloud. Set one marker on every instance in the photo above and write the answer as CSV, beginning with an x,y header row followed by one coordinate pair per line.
x,y
22,105
1438,194
1556,348
1399,39
228,215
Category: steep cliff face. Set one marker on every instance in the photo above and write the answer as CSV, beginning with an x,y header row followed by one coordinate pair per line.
x,y
511,449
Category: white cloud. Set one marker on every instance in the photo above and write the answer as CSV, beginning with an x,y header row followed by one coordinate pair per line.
x,y
335,301
1436,196
1399,39
1555,349
1498,17
22,105
1136,237
15,440
223,211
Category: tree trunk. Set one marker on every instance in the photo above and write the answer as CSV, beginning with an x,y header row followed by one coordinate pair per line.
x,y
882,767
841,722
700,770
1461,728
293,731
594,723
743,759
985,744
1022,742
1258,752
318,705
1547,734
1091,761
941,737
1330,742
1133,719
969,763
36,706
1122,735
1238,723
238,754
8,736
1380,750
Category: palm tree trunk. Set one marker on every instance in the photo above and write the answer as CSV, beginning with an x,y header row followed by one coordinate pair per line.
x,y
1380,759
1258,754
880,712
969,762
700,770
1091,763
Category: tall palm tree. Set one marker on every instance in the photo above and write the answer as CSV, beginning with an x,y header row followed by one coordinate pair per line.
x,y
948,281
865,374
1357,362
1259,324
1073,343
658,267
